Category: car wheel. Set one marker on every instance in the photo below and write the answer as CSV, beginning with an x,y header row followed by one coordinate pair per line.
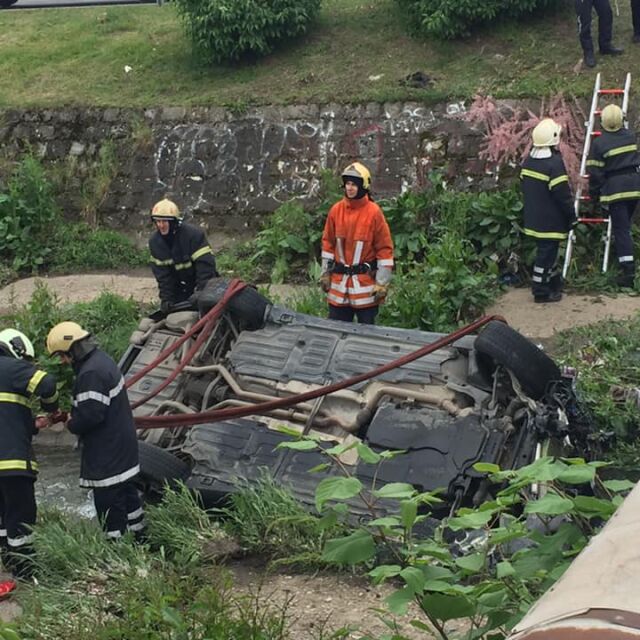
x,y
533,368
157,469
248,307
6,3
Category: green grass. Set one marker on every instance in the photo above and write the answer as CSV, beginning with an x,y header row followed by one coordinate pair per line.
x,y
92,589
77,57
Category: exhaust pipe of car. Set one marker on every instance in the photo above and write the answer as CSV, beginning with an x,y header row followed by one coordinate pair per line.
x,y
160,422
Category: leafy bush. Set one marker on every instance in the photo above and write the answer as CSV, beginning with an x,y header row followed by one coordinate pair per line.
x,y
27,214
227,30
455,18
35,237
409,217
110,318
289,233
441,292
486,564
78,246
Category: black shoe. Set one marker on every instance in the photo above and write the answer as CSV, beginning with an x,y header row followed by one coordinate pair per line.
x,y
611,51
636,38
589,60
627,275
553,296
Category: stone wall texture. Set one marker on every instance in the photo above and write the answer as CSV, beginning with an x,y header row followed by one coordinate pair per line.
x,y
226,168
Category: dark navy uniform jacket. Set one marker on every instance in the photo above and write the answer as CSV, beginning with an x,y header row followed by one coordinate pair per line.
x,y
613,167
19,381
181,262
101,417
548,206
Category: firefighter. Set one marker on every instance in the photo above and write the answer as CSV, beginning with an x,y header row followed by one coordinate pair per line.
x,y
548,208
20,379
614,181
101,418
357,251
181,259
584,9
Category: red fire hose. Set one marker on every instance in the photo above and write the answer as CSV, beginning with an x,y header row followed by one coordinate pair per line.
x,y
217,415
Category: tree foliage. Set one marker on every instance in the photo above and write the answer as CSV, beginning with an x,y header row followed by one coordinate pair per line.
x,y
228,30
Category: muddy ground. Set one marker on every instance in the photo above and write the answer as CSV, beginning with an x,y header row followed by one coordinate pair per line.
x,y
318,603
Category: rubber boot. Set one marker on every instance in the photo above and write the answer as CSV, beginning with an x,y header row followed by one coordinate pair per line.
x,y
544,286
556,282
589,59
626,277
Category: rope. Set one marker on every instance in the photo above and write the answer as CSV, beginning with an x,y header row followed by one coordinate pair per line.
x,y
217,415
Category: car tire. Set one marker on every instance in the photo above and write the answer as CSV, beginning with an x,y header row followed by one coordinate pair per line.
x,y
248,307
157,469
533,368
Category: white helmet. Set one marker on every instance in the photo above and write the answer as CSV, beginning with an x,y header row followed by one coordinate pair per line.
x,y
612,118
546,133
16,344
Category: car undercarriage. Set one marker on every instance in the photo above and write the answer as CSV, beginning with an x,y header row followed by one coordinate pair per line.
x,y
493,397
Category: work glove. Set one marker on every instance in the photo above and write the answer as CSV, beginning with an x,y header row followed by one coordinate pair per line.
x,y
380,292
325,281
42,422
58,416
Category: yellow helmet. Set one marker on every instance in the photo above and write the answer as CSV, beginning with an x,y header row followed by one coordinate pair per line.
x,y
612,118
166,209
63,335
358,170
546,133
17,344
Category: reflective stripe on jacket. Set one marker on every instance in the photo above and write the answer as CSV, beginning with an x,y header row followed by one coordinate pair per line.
x,y
101,417
19,381
548,207
181,263
612,166
356,232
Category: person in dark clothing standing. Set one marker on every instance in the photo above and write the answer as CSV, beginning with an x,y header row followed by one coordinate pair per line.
x,y
635,18
614,180
584,10
548,208
181,259
19,381
101,418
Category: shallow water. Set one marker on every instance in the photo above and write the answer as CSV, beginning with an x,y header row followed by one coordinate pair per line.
x,y
57,484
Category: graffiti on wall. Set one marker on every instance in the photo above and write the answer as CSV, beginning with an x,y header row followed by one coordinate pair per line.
x,y
258,162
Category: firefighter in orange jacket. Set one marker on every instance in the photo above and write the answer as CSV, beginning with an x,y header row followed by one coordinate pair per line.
x,y
357,251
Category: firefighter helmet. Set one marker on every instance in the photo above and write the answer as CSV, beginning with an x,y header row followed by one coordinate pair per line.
x,y
546,133
166,210
358,170
612,118
16,344
63,336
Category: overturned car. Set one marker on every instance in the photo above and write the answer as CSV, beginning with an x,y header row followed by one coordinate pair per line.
x,y
488,397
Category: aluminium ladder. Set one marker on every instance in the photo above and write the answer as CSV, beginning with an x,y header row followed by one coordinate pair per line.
x,y
591,133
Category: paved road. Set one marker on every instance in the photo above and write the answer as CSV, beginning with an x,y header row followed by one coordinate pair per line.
x,y
35,4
